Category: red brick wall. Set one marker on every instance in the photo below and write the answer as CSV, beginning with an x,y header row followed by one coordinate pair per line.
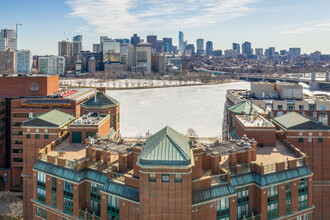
x,y
207,211
20,86
262,135
165,200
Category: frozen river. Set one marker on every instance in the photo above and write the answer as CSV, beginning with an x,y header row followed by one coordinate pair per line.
x,y
197,107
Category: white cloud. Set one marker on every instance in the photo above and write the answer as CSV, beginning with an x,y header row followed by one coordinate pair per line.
x,y
307,28
123,17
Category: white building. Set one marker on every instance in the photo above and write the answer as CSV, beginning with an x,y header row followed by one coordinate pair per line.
x,y
51,65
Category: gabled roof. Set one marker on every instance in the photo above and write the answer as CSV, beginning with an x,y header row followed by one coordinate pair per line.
x,y
53,118
101,101
296,121
166,147
245,107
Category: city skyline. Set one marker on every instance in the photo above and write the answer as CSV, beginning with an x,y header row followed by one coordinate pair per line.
x,y
263,23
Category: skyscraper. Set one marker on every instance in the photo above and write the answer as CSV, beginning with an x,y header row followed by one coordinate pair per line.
x,y
191,47
246,49
181,43
200,46
135,40
209,47
64,48
237,47
23,61
8,40
167,45
77,38
75,48
152,39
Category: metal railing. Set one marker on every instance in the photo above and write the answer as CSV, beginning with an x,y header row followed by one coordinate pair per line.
x,y
246,168
221,178
117,177
67,209
303,205
83,213
255,217
270,168
300,162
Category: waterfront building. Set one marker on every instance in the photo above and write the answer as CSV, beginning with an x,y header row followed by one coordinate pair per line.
x,y
200,46
299,118
111,50
143,58
209,47
8,40
25,97
168,176
158,63
23,61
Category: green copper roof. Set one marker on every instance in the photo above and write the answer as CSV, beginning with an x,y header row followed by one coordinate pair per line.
x,y
272,178
211,193
166,147
121,190
70,174
245,107
53,118
296,121
101,101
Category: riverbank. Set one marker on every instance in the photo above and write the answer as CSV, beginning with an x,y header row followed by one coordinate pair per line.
x,y
133,84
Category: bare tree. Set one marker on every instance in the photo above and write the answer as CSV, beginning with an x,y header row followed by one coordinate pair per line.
x,y
191,132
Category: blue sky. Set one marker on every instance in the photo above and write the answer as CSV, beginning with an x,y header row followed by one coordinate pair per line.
x,y
265,23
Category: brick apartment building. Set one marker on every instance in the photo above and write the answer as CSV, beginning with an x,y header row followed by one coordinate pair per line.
x,y
168,176
298,118
24,97
51,128
312,138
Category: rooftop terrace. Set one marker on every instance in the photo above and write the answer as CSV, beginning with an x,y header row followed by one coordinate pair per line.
x,y
90,119
254,121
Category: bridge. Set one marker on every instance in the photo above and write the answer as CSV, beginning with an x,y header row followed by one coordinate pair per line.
x,y
313,84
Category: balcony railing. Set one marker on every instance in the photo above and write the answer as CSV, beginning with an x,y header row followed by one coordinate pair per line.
x,y
222,178
272,214
41,198
256,217
303,205
270,168
288,209
67,208
84,214
117,177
